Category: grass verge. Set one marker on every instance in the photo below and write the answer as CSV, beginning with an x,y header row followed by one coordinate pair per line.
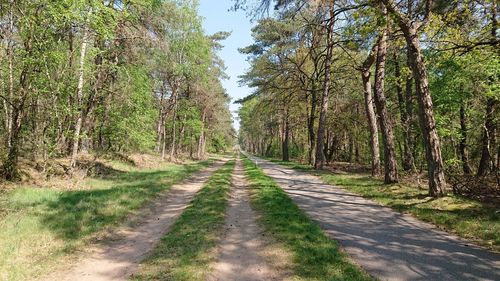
x,y
186,252
464,217
467,218
315,256
38,226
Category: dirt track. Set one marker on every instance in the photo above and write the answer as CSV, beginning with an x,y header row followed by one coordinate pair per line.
x,y
117,258
245,253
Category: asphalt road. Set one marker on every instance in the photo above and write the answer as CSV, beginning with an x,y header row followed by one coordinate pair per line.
x,y
387,244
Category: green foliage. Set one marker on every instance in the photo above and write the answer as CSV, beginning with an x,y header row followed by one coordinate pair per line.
x,y
131,123
287,72
139,63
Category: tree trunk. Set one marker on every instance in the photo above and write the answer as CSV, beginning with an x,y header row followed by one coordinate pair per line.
x,y
6,108
10,171
79,94
10,58
159,131
488,139
200,153
370,112
390,163
350,145
88,119
463,142
405,109
357,155
310,127
161,121
286,137
164,142
320,157
326,147
437,182
174,117
487,162
333,147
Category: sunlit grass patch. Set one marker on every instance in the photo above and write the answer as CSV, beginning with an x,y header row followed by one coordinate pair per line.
x,y
186,252
315,256
40,225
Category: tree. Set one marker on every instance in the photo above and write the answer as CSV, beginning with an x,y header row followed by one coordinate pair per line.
x,y
410,29
370,111
93,76
391,174
329,25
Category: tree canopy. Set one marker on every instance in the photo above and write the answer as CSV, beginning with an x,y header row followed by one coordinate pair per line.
x,y
123,76
332,77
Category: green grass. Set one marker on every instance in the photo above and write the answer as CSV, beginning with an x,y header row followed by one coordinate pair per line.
x,y
186,252
467,218
315,256
39,226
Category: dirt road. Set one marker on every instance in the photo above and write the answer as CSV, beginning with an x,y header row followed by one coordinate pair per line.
x,y
117,258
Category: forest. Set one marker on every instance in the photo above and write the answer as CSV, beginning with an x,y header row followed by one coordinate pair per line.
x,y
365,146
80,77
406,87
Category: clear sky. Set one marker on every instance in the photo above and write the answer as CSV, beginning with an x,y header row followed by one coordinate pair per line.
x,y
218,18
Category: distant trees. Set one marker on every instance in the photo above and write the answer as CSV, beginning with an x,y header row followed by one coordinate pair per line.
x,y
450,83
80,76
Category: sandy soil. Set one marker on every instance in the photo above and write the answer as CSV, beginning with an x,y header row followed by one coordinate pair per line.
x,y
244,253
117,257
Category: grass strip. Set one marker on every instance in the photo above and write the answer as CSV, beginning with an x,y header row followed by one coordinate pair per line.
x,y
464,217
186,252
39,226
315,256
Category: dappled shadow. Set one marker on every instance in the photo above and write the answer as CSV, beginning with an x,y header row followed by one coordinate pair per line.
x,y
78,213
418,196
387,244
117,256
97,169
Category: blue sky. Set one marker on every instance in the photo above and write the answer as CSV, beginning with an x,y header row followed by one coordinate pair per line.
x,y
218,18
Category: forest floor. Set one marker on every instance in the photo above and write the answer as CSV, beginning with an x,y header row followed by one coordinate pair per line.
x,y
388,244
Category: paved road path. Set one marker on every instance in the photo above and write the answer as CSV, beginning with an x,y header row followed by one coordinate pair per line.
x,y
119,258
387,244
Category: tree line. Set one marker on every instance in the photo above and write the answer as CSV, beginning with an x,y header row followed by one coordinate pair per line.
x,y
121,75
403,85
